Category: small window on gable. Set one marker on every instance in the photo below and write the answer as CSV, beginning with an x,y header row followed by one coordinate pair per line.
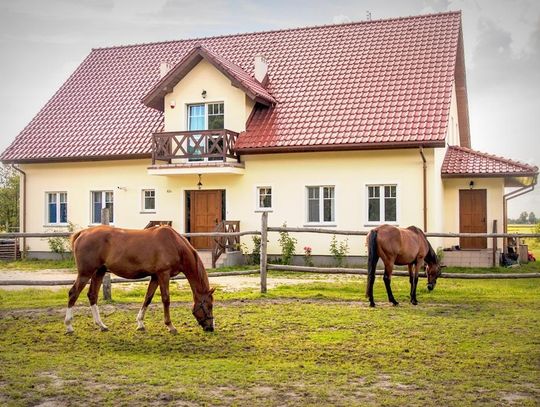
x,y
264,198
148,200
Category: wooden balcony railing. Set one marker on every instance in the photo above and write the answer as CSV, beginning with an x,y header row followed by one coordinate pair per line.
x,y
194,146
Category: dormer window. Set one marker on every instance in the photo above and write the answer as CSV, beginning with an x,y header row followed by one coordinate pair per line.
x,y
202,117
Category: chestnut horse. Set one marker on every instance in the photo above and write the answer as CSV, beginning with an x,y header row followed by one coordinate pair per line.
x,y
159,252
402,247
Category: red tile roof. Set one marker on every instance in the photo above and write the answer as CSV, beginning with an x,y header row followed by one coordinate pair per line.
x,y
240,78
464,162
372,84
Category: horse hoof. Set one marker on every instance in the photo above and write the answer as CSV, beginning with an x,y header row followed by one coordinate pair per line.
x,y
141,328
69,332
173,331
414,302
395,303
372,305
104,329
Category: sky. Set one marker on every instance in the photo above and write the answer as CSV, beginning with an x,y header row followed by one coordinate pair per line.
x,y
43,41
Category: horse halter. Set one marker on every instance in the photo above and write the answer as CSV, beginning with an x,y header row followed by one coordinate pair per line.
x,y
202,305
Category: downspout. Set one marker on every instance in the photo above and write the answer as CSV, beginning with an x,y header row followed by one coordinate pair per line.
x,y
512,195
22,207
424,185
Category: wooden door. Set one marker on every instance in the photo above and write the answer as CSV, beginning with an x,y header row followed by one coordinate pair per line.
x,y
205,213
472,217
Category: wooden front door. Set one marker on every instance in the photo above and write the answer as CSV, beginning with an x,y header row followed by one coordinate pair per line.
x,y
472,217
205,213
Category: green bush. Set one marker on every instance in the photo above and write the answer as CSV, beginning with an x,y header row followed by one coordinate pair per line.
x,y
339,250
288,246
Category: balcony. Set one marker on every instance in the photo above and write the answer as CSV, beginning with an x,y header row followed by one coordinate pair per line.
x,y
195,152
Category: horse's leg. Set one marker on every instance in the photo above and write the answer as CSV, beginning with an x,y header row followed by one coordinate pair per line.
x,y
413,279
74,292
93,294
387,279
152,286
163,280
419,264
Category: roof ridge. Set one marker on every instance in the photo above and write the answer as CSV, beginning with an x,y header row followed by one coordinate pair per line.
x,y
495,157
307,28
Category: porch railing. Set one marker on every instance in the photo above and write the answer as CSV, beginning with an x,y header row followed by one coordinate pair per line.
x,y
194,146
222,243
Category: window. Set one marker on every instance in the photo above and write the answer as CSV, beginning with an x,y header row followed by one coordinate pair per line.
x,y
264,198
382,203
321,204
56,207
210,116
148,200
100,200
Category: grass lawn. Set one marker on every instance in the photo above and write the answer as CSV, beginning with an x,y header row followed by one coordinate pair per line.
x,y
467,343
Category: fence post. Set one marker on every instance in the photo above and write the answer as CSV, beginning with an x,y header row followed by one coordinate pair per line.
x,y
264,249
495,262
107,292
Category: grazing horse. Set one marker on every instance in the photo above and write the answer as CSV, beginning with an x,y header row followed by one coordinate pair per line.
x,y
159,252
402,247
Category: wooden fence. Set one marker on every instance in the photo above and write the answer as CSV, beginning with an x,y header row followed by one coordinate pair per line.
x,y
264,266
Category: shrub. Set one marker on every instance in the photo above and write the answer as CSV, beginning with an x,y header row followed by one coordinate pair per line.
x,y
288,246
308,261
256,252
339,250
61,245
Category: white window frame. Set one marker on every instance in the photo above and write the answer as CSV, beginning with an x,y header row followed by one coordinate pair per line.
x,y
258,208
382,220
143,200
57,194
188,123
321,220
103,203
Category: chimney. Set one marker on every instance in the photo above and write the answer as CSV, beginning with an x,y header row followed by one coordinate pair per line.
x,y
261,68
164,68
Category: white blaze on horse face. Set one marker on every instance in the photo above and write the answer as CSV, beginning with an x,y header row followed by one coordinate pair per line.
x,y
97,318
68,319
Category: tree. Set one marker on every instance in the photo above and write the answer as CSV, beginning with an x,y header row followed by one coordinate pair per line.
x,y
523,217
9,199
532,218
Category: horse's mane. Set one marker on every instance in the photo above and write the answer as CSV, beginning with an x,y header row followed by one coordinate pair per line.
x,y
431,256
200,267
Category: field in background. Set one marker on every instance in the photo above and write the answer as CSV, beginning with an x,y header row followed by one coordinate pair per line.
x,y
466,343
534,244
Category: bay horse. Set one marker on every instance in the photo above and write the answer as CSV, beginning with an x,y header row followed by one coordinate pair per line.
x,y
398,246
159,252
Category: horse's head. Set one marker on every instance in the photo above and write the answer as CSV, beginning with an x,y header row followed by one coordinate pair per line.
x,y
433,271
202,311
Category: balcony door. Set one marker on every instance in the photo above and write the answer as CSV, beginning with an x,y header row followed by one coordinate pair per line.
x,y
203,117
205,211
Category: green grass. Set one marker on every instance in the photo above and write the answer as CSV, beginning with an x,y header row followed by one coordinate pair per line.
x,y
466,343
35,264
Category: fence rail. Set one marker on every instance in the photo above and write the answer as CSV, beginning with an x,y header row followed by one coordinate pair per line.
x,y
264,266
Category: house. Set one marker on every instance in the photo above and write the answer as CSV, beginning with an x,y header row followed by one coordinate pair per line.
x,y
341,126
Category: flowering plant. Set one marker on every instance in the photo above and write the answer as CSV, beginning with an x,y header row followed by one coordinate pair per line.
x,y
307,256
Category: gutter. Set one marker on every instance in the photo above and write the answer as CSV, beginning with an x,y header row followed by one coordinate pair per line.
x,y
424,185
22,206
512,195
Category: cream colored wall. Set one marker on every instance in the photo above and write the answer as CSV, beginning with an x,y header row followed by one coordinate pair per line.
x,y
495,192
287,174
218,89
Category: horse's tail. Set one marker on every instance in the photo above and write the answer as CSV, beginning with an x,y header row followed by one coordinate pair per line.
x,y
74,237
373,258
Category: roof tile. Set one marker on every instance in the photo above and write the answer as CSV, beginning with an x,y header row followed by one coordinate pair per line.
x,y
360,83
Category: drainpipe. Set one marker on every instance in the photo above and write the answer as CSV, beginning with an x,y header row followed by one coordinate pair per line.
x,y
512,195
22,206
424,185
